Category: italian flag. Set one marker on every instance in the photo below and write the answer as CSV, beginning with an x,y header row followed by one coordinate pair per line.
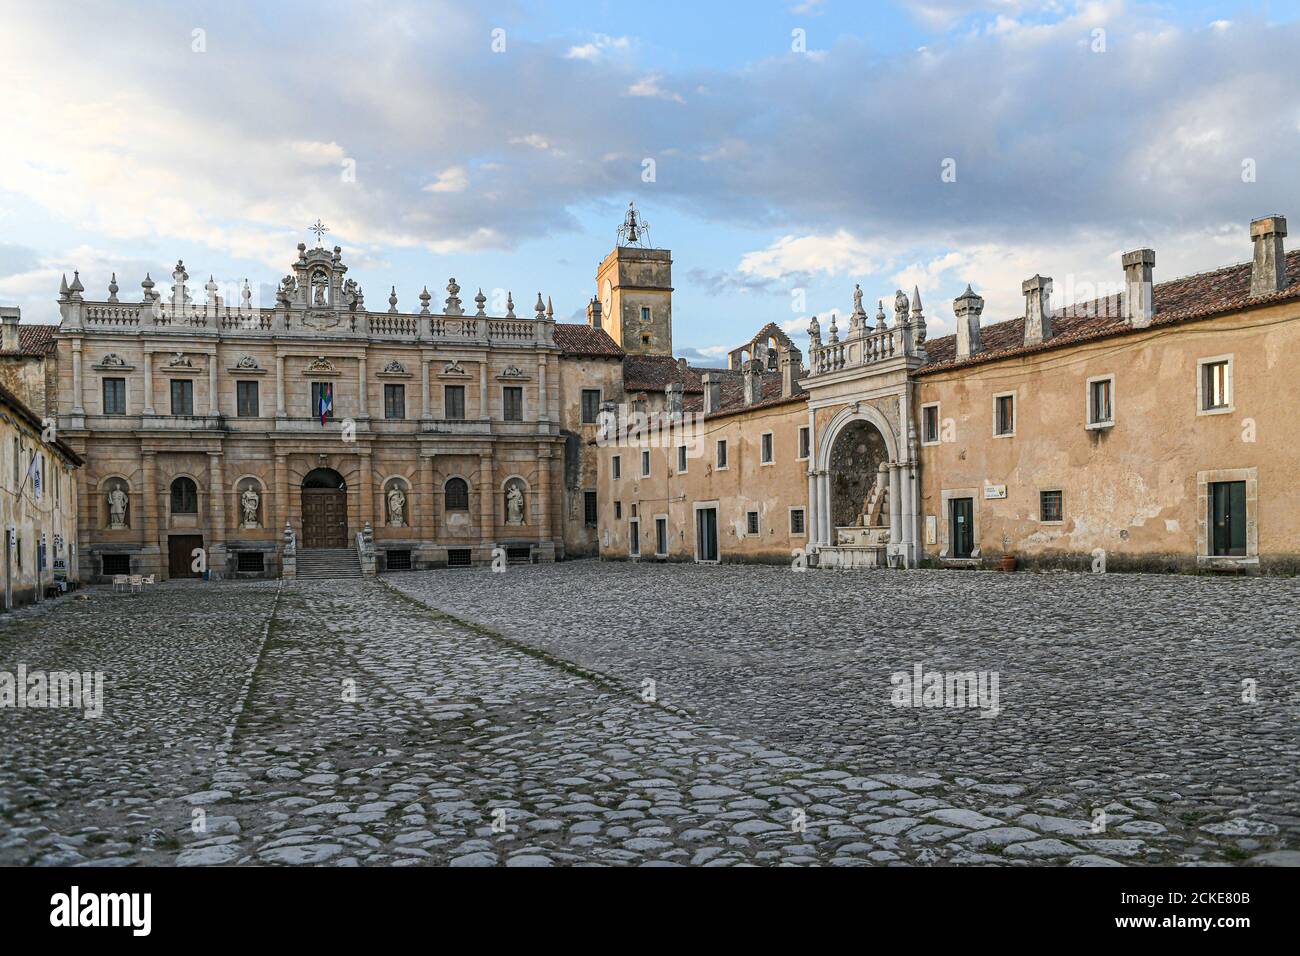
x,y
326,401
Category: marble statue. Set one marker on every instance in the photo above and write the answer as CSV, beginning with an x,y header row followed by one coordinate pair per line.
x,y
248,502
514,505
396,507
117,501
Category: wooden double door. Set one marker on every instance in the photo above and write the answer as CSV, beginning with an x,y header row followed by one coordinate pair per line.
x,y
324,518
180,555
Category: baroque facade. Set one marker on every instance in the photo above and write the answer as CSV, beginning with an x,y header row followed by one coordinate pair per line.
x,y
227,438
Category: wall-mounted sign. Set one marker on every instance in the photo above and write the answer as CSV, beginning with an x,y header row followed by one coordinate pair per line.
x,y
995,491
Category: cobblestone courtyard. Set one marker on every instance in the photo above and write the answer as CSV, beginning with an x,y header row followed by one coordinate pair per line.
x,y
476,718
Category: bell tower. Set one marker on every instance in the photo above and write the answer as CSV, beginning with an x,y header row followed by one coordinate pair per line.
x,y
634,288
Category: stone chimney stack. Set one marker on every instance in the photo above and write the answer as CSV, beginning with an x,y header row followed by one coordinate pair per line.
x,y
1268,274
712,392
593,312
967,308
1038,309
673,394
791,363
10,317
1139,304
753,381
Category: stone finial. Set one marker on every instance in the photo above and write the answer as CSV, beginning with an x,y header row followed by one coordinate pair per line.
x,y
480,303
210,287
64,291
880,315
392,300
540,307
147,286
918,315
425,299
1038,309
1139,302
453,306
550,310
967,307
833,333
1268,271
246,298
510,306
180,294
112,288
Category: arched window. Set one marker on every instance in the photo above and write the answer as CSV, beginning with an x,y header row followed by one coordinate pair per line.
x,y
457,493
185,497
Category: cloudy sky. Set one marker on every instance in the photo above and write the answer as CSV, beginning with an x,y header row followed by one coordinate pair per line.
x,y
783,150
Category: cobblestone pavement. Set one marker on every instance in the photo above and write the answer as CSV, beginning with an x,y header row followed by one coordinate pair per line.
x,y
345,723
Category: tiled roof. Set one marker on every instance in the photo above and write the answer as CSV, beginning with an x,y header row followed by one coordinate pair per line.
x,y
733,393
1180,300
34,340
578,339
20,408
654,373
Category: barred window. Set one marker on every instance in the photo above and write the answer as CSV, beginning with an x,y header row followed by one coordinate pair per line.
x,y
456,491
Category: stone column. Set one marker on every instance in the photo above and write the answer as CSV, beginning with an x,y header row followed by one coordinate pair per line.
x,y
914,514
905,482
77,398
281,495
483,389
487,501
813,523
429,519
827,517
148,498
361,388
367,486
895,508
148,382
216,515
543,509
543,407
214,396
279,387
424,389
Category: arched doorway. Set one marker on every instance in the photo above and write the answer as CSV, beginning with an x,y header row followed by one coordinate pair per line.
x,y
324,509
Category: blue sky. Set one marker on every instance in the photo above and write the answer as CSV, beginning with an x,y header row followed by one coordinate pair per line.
x,y
784,172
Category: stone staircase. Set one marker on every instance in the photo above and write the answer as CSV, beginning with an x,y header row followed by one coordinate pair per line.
x,y
316,563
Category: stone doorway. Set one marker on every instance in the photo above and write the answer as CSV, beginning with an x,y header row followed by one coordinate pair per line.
x,y
324,510
180,555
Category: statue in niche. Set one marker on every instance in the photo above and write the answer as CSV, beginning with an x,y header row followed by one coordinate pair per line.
x,y
319,290
117,502
396,507
249,501
514,504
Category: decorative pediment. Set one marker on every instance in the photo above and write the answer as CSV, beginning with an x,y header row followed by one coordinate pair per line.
x,y
181,360
454,369
247,365
112,362
321,366
394,369
513,373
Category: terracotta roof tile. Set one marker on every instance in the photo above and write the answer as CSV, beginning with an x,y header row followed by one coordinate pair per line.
x,y
34,339
577,339
654,373
1192,297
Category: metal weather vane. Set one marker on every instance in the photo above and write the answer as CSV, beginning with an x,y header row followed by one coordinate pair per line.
x,y
319,228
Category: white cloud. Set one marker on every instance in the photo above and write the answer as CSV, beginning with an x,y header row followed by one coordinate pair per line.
x,y
649,86
601,46
454,179
840,252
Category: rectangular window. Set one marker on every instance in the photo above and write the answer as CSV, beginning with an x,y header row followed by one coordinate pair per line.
x,y
512,403
1216,385
1228,518
766,445
645,464
590,406
804,443
1004,415
617,463
1051,506
634,537
114,396
722,453
453,402
182,396
589,508
797,521
661,537
246,401
751,522
618,511
394,401
317,390
681,459
1101,410
929,424
645,313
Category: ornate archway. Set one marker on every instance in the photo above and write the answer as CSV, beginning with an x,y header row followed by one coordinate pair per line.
x,y
855,492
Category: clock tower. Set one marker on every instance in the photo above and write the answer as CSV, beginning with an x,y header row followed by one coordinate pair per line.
x,y
634,289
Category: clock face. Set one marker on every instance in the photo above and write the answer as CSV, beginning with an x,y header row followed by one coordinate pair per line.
x,y
607,299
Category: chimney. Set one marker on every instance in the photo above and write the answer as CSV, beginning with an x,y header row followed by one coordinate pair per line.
x,y
1038,309
791,366
1139,306
712,392
10,317
673,393
967,308
593,312
1268,274
753,379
